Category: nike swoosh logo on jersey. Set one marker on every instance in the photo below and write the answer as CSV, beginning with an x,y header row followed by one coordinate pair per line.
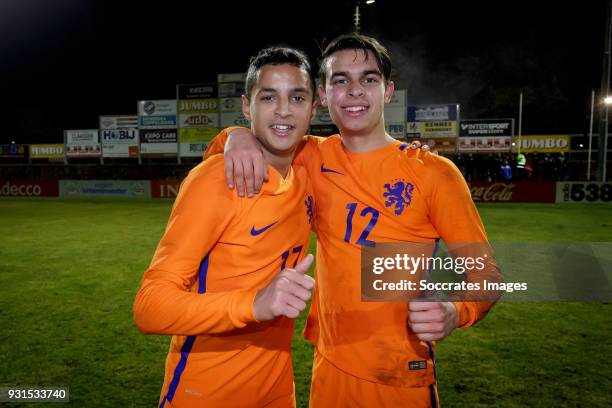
x,y
326,170
255,232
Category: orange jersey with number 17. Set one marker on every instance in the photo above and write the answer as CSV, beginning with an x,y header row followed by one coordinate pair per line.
x,y
217,251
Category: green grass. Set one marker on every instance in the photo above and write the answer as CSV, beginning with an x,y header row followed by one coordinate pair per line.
x,y
69,271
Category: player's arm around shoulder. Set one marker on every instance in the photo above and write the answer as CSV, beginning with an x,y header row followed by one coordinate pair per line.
x,y
245,166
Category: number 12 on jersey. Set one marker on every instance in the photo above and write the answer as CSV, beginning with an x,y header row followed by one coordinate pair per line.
x,y
363,238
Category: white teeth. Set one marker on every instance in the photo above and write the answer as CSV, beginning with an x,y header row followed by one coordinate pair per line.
x,y
355,108
281,127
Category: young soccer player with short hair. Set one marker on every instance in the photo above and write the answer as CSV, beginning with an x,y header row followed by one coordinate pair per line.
x,y
228,275
369,189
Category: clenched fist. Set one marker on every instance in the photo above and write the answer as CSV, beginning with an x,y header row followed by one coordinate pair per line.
x,y
432,320
286,294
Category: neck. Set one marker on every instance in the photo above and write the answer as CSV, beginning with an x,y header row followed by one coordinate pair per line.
x,y
281,163
366,140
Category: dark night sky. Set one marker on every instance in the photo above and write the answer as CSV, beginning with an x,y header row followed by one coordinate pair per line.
x,y
64,62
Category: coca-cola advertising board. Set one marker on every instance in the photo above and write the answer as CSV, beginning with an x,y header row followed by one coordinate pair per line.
x,y
518,192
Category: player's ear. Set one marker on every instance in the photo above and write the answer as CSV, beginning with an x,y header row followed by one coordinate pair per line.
x,y
315,103
246,107
389,89
322,95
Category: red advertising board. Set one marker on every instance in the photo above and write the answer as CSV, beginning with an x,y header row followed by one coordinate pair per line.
x,y
519,192
29,188
165,188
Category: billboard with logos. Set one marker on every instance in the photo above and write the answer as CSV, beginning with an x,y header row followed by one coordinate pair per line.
x,y
519,192
118,122
231,113
432,129
82,143
231,88
165,188
158,142
198,117
13,150
486,144
197,106
194,141
432,120
486,128
395,115
542,144
158,114
231,85
47,151
196,91
29,188
234,119
105,188
584,192
119,143
432,113
199,120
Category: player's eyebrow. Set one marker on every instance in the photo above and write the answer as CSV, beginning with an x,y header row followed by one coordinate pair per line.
x,y
339,73
372,72
364,73
274,90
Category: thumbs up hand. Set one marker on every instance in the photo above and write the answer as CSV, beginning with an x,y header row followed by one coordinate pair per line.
x,y
286,294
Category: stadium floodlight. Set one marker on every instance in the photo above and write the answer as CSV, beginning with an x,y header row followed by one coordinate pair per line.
x,y
603,135
370,1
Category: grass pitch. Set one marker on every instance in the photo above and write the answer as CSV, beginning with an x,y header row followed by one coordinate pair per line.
x,y
69,271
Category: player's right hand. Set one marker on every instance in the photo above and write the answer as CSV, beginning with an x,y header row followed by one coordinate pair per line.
x,y
416,145
286,294
244,162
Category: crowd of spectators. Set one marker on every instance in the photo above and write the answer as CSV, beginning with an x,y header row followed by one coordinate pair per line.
x,y
507,167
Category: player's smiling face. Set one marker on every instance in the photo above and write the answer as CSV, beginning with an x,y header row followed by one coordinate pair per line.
x,y
355,91
280,108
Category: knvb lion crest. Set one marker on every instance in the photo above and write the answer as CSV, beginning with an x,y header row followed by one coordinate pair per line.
x,y
398,194
309,203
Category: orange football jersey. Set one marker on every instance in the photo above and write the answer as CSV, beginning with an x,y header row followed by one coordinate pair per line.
x,y
217,251
391,194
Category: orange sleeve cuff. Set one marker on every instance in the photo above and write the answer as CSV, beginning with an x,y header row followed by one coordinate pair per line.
x,y
464,314
241,308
